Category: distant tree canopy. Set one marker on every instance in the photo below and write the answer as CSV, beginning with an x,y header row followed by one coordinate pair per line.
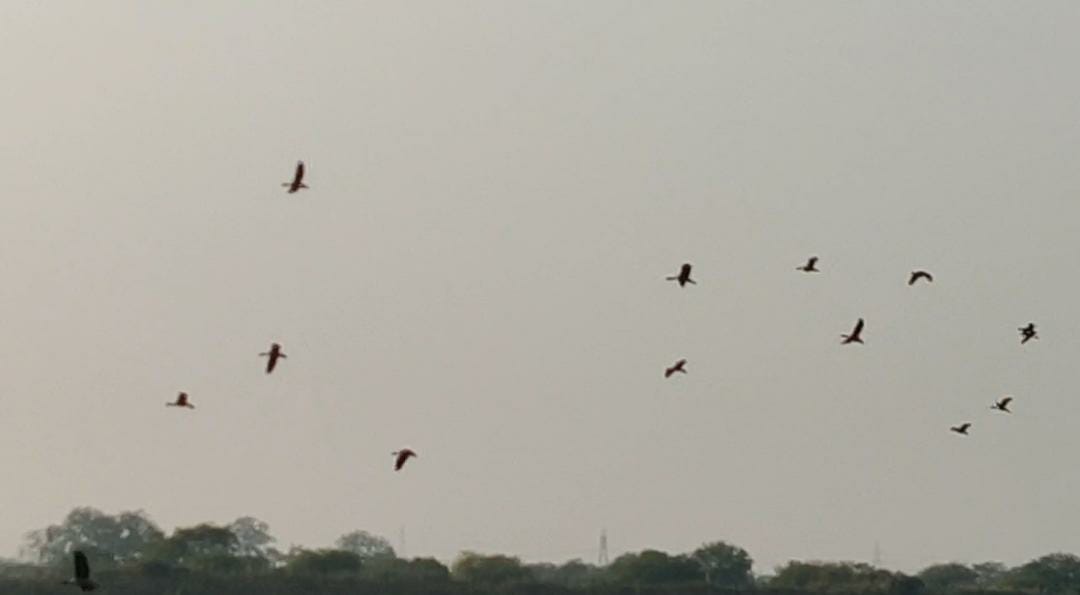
x,y
110,539
129,554
479,569
652,567
725,565
365,545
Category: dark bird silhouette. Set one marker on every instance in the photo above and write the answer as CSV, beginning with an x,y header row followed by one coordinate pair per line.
x,y
680,366
856,334
402,456
82,573
1002,405
181,401
961,429
916,275
274,353
1028,333
298,179
684,276
810,266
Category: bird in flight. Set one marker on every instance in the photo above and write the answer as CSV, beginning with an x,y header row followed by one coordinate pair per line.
x,y
298,179
961,429
402,456
810,266
856,334
1028,333
273,355
181,401
916,275
679,366
82,573
684,276
1002,405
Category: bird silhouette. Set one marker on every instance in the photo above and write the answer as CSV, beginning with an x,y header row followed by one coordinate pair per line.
x,y
1028,333
679,366
856,334
181,401
810,266
82,573
916,275
961,429
684,276
298,179
1002,405
273,355
402,456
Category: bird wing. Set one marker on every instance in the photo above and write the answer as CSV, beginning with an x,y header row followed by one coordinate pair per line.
x,y
964,427
299,173
82,567
858,327
1005,402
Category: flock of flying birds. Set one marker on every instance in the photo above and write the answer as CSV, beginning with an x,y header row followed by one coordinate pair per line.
x,y
1027,332
82,565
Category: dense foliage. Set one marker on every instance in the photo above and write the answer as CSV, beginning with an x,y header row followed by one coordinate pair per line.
x,y
131,555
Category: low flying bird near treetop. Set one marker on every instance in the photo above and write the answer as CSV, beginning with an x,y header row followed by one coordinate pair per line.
x,y
82,573
684,276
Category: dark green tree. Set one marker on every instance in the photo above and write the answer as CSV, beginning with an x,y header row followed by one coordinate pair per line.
x,y
109,539
653,567
943,578
725,565
479,569
323,562
365,545
1055,573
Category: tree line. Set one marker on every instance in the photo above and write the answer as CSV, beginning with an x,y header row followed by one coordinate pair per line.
x,y
130,554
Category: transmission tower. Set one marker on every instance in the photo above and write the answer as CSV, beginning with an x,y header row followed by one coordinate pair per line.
x,y
602,559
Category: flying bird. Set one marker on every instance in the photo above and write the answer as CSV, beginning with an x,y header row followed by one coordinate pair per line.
x,y
1002,405
181,401
680,366
82,573
402,456
273,355
1028,333
916,275
684,276
961,429
810,266
856,334
298,179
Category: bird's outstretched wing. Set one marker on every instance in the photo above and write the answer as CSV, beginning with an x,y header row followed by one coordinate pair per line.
x,y
299,173
1005,402
82,567
858,327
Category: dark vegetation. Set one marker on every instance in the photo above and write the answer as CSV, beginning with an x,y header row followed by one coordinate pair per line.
x,y
130,555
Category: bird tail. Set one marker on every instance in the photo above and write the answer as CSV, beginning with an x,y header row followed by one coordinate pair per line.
x,y
672,278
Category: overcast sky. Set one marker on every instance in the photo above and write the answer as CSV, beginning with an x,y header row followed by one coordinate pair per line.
x,y
497,192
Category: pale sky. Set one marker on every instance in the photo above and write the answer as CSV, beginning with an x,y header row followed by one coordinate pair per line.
x,y
497,191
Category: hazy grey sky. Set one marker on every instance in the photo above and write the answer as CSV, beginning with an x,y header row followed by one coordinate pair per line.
x,y
497,191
